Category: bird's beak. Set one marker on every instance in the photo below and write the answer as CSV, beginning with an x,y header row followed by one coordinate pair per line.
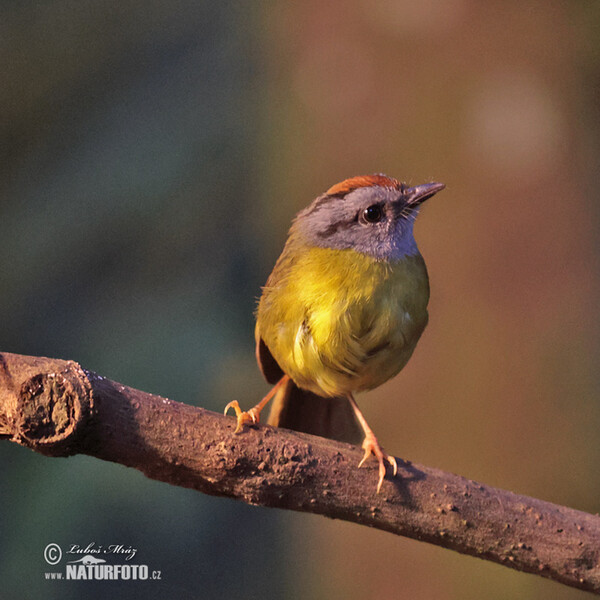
x,y
416,195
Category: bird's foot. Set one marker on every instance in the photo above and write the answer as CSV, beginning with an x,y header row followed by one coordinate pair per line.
x,y
251,416
371,446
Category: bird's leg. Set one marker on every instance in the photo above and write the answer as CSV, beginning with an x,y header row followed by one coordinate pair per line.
x,y
371,445
252,416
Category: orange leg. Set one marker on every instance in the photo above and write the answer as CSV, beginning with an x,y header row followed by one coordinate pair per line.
x,y
252,416
371,445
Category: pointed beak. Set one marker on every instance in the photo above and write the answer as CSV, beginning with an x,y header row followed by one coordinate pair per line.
x,y
417,195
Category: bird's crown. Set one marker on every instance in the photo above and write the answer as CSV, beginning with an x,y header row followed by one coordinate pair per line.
x,y
348,185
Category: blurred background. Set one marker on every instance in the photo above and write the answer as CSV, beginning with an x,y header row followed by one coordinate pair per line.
x,y
153,156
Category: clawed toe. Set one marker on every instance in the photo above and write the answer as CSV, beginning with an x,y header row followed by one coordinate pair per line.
x,y
371,446
250,417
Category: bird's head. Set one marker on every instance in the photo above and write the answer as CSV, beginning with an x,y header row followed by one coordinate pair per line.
x,y
371,214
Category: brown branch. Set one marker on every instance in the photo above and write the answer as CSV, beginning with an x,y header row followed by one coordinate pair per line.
x,y
57,408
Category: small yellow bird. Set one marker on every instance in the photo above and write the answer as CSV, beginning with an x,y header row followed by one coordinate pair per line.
x,y
343,309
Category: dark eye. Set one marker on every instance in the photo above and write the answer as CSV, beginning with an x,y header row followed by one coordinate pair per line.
x,y
372,214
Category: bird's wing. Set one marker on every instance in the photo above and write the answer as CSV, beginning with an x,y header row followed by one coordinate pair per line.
x,y
268,366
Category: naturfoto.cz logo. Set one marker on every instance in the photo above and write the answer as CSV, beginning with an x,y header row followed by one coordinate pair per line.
x,y
92,567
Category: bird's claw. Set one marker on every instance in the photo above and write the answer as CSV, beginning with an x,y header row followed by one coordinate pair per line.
x,y
251,416
371,446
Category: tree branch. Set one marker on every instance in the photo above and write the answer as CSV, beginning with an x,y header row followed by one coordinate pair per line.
x,y
58,409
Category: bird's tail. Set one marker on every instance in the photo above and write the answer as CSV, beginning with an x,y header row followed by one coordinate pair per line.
x,y
300,410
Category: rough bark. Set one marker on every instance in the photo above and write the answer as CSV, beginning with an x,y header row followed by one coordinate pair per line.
x,y
58,409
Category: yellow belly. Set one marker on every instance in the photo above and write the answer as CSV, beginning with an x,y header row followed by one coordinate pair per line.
x,y
337,321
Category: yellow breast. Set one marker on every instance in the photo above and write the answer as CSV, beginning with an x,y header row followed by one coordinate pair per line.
x,y
337,321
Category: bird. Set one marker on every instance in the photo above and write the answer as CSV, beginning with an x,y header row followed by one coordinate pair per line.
x,y
343,309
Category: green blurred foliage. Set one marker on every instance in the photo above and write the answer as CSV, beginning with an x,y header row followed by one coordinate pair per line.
x,y
153,154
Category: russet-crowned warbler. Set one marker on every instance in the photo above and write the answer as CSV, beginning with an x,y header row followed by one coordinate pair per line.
x,y
343,309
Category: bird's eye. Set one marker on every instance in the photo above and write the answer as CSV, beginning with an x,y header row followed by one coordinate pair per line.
x,y
372,214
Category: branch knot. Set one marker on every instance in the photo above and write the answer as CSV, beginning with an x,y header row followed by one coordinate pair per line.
x,y
52,409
